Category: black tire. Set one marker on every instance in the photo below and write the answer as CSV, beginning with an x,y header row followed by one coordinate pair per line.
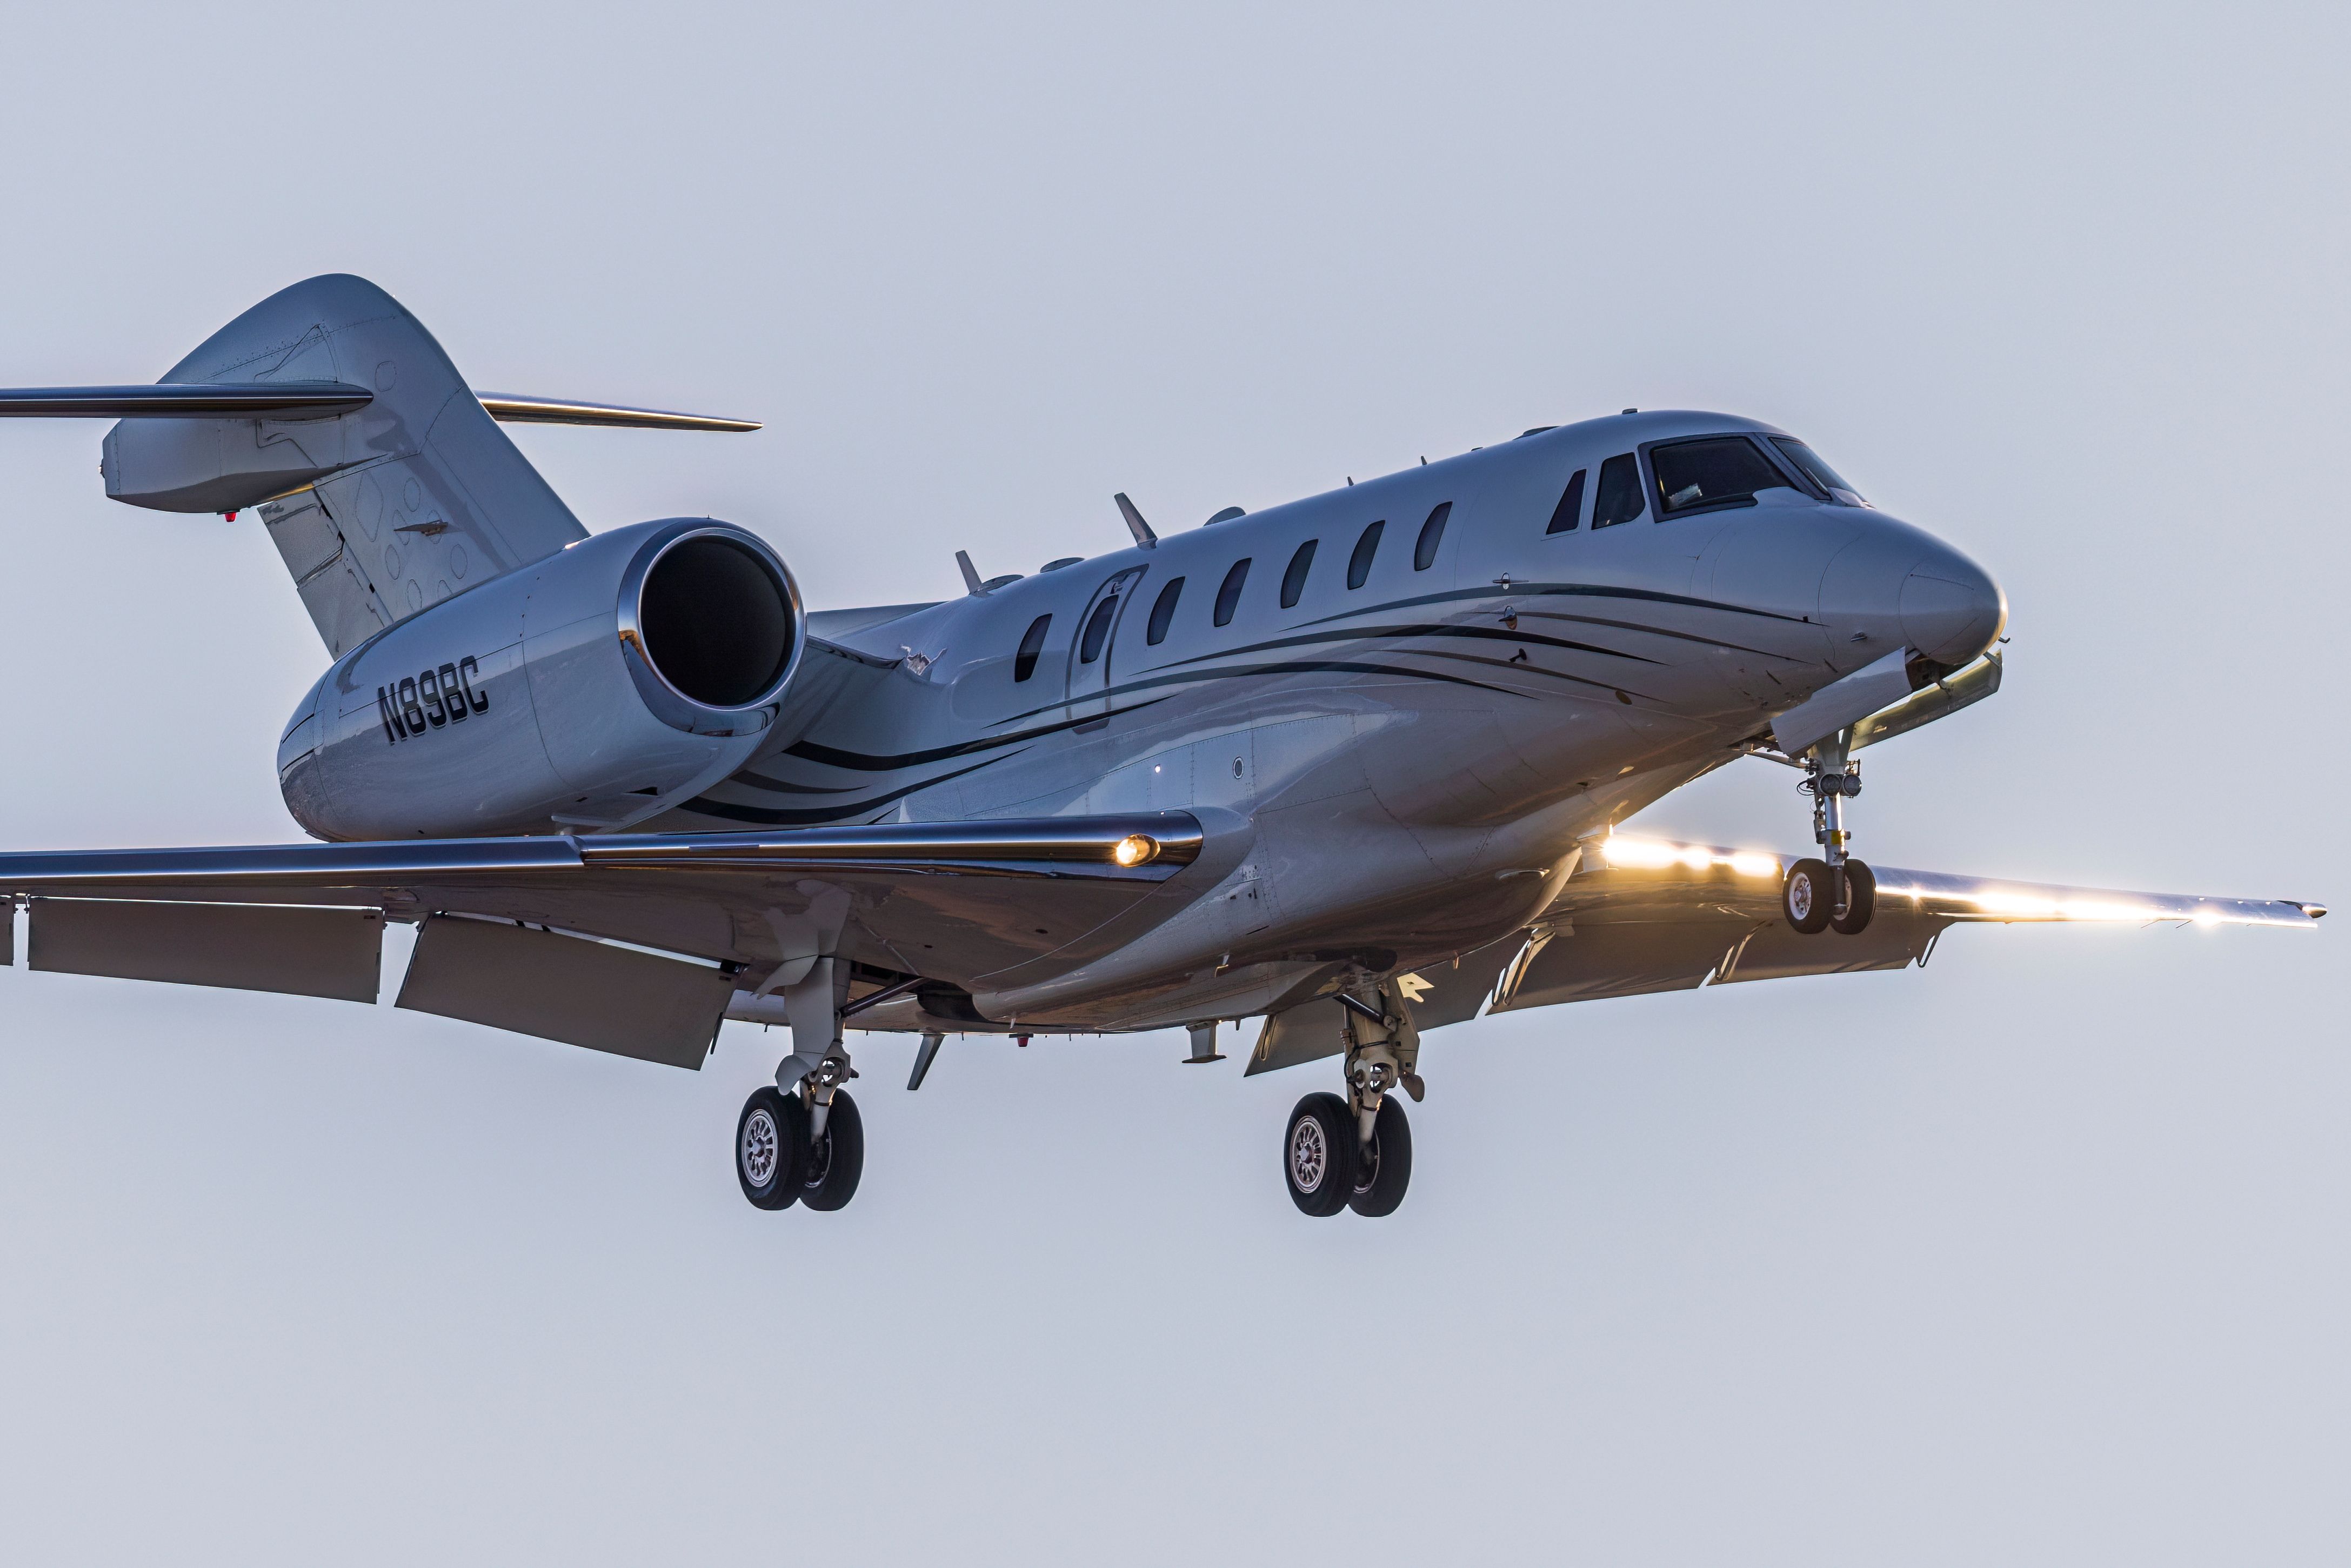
x,y
768,1149
1860,899
1384,1170
1805,896
830,1166
1318,1155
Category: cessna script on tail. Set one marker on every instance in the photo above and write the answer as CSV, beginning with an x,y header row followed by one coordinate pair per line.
x,y
1353,765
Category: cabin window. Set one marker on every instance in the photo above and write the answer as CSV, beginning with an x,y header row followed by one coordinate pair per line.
x,y
1359,565
1808,462
1090,644
1432,534
1619,497
1722,471
1228,596
1570,510
1162,610
1032,642
1293,581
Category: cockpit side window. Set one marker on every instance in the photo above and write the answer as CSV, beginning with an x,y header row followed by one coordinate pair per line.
x,y
1570,510
1293,581
1619,500
1808,462
1718,471
1032,642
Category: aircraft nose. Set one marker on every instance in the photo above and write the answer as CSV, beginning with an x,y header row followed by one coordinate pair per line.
x,y
1951,608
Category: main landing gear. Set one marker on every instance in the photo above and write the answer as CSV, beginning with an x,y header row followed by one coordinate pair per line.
x,y
803,1141
780,1162
1834,891
1356,1150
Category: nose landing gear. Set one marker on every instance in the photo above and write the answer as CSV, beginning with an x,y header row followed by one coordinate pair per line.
x,y
1836,890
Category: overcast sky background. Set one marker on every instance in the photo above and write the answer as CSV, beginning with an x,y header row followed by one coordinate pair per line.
x,y
2035,1256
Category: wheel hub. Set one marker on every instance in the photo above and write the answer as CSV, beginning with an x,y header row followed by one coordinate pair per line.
x,y
1309,1157
759,1153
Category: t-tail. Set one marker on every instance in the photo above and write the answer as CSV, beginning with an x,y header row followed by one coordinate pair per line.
x,y
383,479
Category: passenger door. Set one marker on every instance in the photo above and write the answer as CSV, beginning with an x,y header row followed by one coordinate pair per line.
x,y
1095,639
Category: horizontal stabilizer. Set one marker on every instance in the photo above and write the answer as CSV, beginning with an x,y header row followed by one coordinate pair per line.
x,y
509,409
185,400
321,400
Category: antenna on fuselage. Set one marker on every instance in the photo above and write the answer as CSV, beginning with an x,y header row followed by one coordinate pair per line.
x,y
1135,523
971,582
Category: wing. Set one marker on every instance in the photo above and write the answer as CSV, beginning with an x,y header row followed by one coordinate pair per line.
x,y
635,943
1644,915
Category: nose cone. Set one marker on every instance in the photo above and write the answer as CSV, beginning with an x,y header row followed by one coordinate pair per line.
x,y
1951,608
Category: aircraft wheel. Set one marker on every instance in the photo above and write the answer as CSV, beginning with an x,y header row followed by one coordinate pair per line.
x,y
1384,1170
767,1138
830,1166
1318,1155
1804,896
1860,899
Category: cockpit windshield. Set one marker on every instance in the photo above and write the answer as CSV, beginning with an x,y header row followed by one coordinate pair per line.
x,y
1809,461
1718,471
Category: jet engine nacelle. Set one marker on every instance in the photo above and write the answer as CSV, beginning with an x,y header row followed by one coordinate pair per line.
x,y
589,690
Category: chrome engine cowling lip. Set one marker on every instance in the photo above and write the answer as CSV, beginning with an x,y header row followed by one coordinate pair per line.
x,y
665,701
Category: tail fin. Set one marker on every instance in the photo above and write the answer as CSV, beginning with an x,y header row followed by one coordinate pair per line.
x,y
378,511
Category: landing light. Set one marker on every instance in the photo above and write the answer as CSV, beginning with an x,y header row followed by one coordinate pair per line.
x,y
1651,854
1135,849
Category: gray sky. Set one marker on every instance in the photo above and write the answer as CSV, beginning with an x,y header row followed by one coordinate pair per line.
x,y
2035,1256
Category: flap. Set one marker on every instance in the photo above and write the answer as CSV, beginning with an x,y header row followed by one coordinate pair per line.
x,y
1894,939
567,988
1583,963
336,953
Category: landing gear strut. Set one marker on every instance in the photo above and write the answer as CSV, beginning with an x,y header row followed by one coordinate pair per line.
x,y
1355,1152
1834,890
803,1141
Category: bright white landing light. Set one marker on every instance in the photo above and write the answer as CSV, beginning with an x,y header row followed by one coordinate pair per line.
x,y
1654,854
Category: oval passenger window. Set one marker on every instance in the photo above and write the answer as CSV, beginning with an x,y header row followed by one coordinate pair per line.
x,y
1432,534
1089,647
1293,581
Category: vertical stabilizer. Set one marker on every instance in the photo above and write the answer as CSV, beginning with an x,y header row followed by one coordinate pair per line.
x,y
378,511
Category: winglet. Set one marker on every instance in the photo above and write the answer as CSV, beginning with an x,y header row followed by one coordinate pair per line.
x,y
1135,523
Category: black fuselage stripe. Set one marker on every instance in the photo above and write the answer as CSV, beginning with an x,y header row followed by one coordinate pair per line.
x,y
1433,629
775,817
1286,667
1531,668
1659,632
1557,590
865,762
